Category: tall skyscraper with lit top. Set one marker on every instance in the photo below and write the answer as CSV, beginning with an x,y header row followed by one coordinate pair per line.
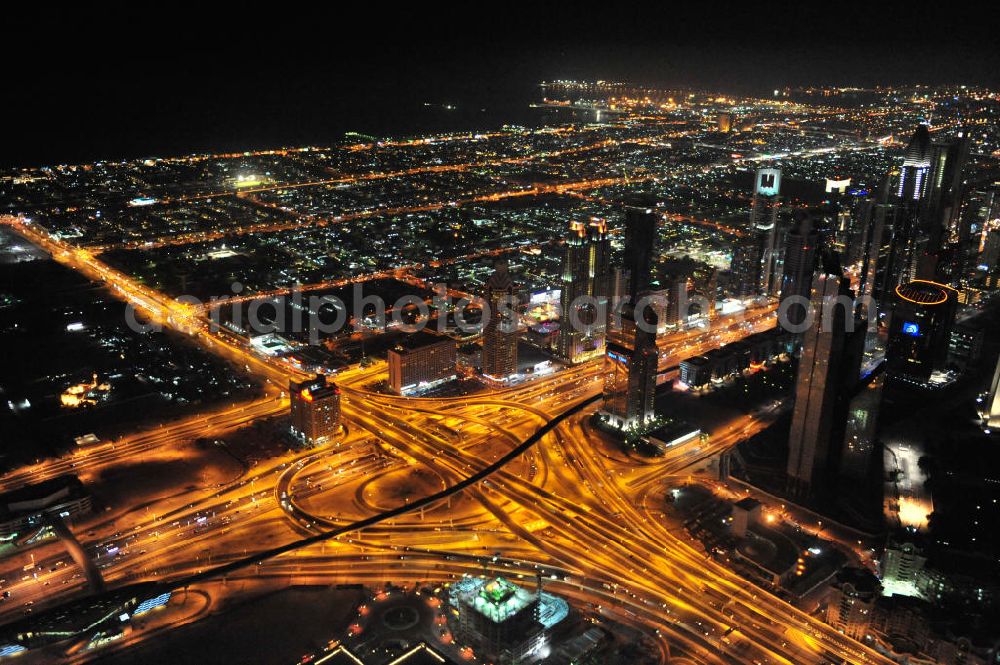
x,y
766,230
912,185
585,282
499,361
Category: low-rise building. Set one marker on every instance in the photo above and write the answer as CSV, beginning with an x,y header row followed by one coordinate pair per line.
x,y
420,362
27,508
696,371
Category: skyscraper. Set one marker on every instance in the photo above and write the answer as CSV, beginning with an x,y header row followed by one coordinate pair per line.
x,y
631,362
500,328
745,268
893,244
928,199
315,410
669,300
923,313
801,244
828,368
585,282
978,208
913,175
640,244
942,205
880,267
765,227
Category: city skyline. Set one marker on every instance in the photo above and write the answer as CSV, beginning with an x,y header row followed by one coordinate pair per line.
x,y
638,368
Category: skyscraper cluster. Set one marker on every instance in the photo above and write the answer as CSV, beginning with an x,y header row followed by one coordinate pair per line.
x,y
905,267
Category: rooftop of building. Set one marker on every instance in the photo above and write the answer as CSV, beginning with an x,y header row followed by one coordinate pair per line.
x,y
528,356
419,340
40,494
923,292
500,280
315,388
747,503
674,432
78,616
768,548
861,580
499,599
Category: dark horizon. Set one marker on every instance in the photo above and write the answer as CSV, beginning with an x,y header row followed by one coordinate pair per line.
x,y
135,97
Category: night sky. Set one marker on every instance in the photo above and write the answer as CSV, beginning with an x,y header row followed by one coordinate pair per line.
x,y
81,86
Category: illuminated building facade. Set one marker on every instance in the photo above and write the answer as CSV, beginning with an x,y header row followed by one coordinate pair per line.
x,y
751,353
851,602
901,568
887,240
745,267
420,362
502,619
913,175
315,410
942,205
767,232
585,282
499,361
724,122
923,313
929,191
631,362
858,452
979,208
102,618
696,371
667,301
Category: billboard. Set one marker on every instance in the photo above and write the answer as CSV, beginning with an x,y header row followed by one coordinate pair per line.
x,y
910,328
768,182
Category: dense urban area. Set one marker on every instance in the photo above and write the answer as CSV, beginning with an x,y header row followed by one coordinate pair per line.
x,y
668,376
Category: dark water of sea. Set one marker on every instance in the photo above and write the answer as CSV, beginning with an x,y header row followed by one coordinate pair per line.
x,y
130,124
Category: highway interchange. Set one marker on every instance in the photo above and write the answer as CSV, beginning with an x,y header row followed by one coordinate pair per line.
x,y
572,505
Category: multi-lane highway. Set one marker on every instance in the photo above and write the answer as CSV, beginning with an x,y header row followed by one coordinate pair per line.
x,y
572,503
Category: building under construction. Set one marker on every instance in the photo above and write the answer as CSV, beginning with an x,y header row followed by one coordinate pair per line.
x,y
502,621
